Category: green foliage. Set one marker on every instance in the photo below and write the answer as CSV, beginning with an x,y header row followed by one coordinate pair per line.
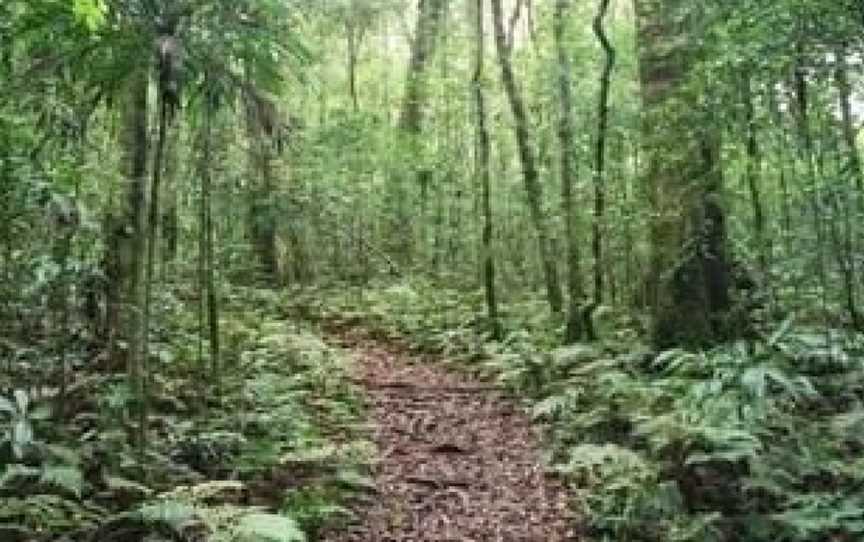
x,y
91,13
268,528
224,523
49,513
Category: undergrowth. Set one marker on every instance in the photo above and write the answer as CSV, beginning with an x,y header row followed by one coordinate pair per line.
x,y
756,441
269,452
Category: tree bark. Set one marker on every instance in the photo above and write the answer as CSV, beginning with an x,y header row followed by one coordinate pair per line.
x,y
169,219
483,172
599,172
575,329
126,243
752,175
688,280
854,206
430,15
530,174
262,126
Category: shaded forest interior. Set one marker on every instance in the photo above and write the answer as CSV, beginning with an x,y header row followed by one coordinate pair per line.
x,y
635,227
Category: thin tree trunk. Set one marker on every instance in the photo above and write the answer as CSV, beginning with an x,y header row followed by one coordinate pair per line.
x,y
576,290
530,174
600,166
207,255
807,156
353,46
169,221
852,235
6,181
150,267
752,175
484,152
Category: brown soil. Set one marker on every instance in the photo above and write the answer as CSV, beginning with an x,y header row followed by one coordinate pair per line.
x,y
457,461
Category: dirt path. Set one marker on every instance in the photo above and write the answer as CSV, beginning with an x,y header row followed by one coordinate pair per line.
x,y
457,461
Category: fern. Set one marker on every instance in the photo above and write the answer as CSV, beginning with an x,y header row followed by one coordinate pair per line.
x,y
63,477
812,515
173,513
260,527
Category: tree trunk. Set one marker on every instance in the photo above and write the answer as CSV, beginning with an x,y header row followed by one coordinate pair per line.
x,y
353,43
854,206
206,253
853,165
689,276
6,181
430,15
530,174
599,171
484,151
169,220
262,122
576,290
126,243
752,174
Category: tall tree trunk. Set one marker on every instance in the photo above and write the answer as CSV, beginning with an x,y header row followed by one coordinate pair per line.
x,y
599,172
848,122
127,226
206,254
430,15
807,156
262,122
854,206
530,174
6,181
353,42
150,267
752,175
689,276
484,152
576,290
169,220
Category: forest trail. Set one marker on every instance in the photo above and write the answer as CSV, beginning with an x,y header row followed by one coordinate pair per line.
x,y
457,461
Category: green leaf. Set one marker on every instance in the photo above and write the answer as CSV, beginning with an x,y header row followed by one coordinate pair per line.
x,y
7,406
260,527
67,478
15,472
172,513
91,13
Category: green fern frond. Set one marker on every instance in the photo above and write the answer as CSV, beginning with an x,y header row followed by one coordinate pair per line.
x,y
261,527
66,478
168,512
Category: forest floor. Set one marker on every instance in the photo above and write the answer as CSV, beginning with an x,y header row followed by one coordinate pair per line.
x,y
457,460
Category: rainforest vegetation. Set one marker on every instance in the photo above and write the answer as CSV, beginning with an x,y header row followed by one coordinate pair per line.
x,y
431,270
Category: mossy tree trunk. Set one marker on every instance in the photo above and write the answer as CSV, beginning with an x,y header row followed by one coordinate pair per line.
x,y
430,16
126,236
574,330
484,151
262,128
688,282
528,160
